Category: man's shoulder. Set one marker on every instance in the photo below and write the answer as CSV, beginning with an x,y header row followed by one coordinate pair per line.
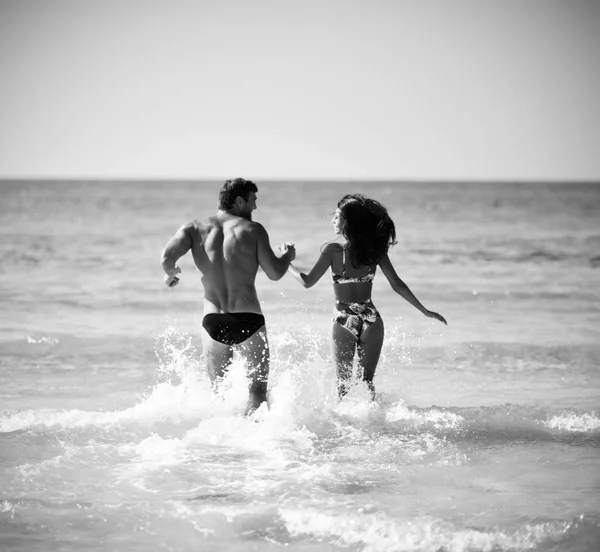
x,y
250,231
194,230
250,226
192,226
239,227
255,226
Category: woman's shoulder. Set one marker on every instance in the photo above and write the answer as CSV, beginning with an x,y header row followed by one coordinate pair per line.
x,y
331,247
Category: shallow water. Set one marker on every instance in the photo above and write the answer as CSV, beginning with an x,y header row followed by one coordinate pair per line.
x,y
485,434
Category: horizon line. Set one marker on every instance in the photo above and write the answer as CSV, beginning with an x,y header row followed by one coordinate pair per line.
x,y
403,180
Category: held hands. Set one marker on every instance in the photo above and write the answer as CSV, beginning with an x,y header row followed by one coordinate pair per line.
x,y
290,249
171,277
431,314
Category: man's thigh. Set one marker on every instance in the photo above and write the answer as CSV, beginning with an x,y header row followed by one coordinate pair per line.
x,y
256,352
217,355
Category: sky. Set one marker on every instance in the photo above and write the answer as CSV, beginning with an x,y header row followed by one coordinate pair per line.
x,y
283,89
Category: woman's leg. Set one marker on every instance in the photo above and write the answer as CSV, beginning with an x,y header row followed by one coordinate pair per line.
x,y
344,346
369,350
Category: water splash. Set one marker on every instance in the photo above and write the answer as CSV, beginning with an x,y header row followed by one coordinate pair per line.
x,y
378,532
574,422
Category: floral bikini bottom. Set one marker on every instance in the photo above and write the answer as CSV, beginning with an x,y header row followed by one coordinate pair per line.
x,y
355,317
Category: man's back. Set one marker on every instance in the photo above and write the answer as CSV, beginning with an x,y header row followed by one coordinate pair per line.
x,y
225,251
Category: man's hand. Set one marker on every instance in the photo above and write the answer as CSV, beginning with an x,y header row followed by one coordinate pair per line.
x,y
288,249
171,277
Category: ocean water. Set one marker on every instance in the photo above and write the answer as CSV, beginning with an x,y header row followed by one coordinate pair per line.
x,y
485,435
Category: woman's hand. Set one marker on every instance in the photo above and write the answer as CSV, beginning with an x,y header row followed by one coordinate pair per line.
x,y
431,314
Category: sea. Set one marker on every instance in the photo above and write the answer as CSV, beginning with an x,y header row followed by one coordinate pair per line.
x,y
484,435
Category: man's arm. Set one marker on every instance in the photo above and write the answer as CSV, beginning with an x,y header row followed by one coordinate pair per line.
x,y
274,267
176,248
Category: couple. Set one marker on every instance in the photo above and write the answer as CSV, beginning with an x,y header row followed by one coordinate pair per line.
x,y
229,247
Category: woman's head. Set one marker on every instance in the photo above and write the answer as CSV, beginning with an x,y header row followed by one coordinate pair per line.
x,y
366,225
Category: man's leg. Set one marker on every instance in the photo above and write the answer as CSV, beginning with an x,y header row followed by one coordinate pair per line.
x,y
256,351
218,356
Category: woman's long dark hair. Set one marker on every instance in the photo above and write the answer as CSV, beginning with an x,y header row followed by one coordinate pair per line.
x,y
369,229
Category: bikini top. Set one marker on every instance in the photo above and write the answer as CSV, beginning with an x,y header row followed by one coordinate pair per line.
x,y
343,279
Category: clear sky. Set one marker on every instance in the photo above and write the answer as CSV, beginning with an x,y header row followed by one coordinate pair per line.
x,y
372,89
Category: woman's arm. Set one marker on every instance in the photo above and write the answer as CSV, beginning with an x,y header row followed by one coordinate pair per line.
x,y
310,279
404,291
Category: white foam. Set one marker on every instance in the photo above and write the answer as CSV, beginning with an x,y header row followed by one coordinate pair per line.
x,y
43,339
439,419
585,423
377,532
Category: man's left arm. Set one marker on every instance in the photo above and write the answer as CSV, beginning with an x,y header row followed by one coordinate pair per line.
x,y
176,248
274,267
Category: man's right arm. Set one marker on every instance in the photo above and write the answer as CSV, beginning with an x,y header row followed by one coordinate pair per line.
x,y
176,248
274,267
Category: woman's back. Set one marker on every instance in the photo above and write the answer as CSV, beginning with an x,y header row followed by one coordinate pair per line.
x,y
350,283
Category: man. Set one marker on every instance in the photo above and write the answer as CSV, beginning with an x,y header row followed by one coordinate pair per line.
x,y
228,249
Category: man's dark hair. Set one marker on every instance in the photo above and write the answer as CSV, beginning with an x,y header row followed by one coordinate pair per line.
x,y
234,188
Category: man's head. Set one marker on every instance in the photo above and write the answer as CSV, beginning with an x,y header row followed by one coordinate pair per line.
x,y
239,197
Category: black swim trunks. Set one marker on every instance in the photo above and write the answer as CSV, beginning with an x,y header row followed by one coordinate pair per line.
x,y
232,328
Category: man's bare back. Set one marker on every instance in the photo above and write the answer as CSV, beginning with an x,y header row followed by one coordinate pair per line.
x,y
225,251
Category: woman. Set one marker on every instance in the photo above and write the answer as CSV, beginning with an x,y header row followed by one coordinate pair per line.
x,y
357,326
